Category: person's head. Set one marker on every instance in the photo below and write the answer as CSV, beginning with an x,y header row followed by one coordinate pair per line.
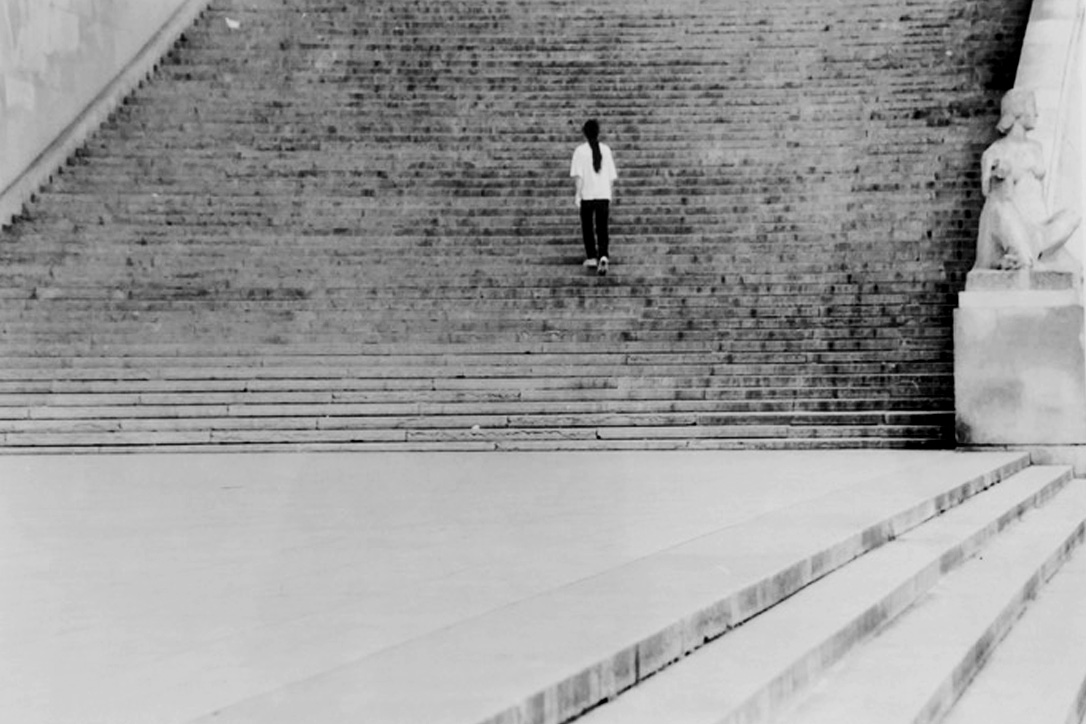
x,y
1018,106
591,129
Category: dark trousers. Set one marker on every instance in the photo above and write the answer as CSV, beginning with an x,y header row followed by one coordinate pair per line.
x,y
594,215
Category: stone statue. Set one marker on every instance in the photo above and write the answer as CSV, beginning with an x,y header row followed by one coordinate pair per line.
x,y
1016,230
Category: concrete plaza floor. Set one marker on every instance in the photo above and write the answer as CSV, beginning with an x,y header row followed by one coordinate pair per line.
x,y
351,587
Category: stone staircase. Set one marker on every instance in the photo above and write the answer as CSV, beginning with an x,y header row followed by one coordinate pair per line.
x,y
975,615
351,226
945,588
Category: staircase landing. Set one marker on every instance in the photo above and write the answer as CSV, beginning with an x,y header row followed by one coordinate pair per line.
x,y
444,587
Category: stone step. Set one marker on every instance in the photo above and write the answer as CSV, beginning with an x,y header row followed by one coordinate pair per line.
x,y
842,376
506,249
562,280
643,165
729,351
438,398
115,328
490,415
686,595
553,263
344,220
730,339
104,437
436,277
194,303
557,361
1038,672
114,337
426,265
561,287
908,388
521,444
591,398
478,372
735,361
641,152
145,431
660,206
225,354
918,665
752,672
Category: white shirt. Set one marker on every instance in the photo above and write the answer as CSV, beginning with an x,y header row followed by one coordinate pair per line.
x,y
595,186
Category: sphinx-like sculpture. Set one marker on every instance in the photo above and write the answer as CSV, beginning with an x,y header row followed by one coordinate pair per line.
x,y
1016,231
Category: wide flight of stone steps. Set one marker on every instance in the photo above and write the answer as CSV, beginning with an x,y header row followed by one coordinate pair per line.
x,y
352,226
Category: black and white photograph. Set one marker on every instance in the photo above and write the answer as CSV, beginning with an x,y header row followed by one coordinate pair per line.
x,y
542,362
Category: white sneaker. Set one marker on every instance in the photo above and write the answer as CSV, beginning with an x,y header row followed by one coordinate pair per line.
x,y
590,263
603,266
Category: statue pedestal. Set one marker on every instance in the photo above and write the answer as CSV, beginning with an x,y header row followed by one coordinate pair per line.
x,y
1020,363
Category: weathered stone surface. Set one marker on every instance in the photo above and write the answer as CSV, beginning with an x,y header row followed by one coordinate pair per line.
x,y
993,280
1020,375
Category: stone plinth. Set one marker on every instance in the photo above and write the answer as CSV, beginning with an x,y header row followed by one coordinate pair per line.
x,y
994,280
1019,360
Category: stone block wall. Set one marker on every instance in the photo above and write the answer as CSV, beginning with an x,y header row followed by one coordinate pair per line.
x,y
58,58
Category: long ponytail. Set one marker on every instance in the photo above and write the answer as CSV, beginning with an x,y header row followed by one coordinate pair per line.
x,y
592,133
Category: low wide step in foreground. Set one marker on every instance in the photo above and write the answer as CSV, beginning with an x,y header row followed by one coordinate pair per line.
x,y
906,632
786,593
472,588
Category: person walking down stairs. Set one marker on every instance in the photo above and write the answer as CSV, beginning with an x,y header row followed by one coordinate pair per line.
x,y
594,174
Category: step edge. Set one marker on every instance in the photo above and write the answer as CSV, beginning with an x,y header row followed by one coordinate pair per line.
x,y
570,697
769,695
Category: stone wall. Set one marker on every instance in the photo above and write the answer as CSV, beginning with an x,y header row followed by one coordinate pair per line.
x,y
63,65
1051,65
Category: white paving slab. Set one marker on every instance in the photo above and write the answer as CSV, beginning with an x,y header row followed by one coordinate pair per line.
x,y
163,588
